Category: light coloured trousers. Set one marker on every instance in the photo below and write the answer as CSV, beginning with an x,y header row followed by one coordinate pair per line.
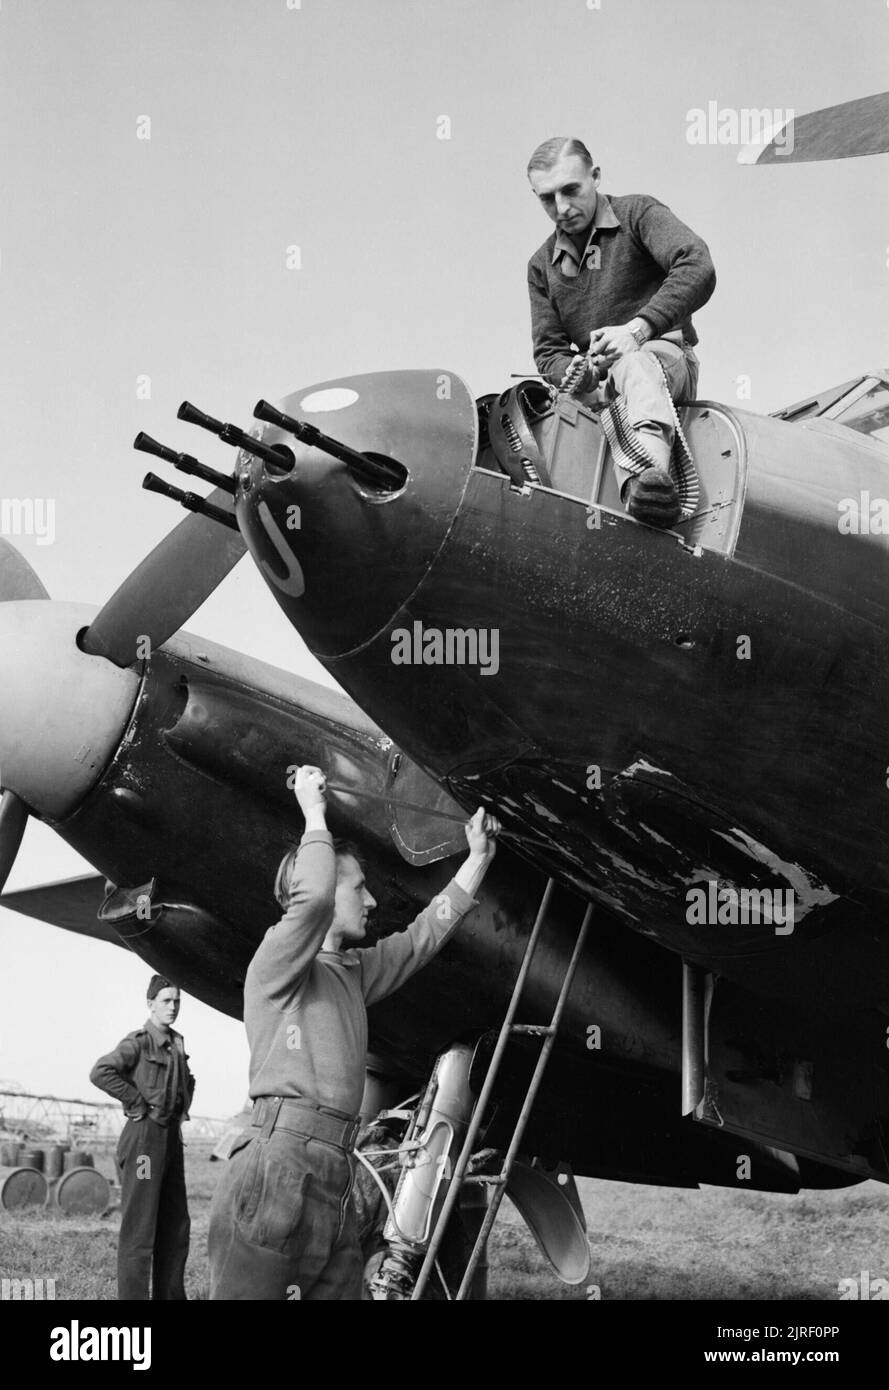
x,y
636,377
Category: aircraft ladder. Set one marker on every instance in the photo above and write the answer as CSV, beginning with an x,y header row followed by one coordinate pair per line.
x,y
508,1029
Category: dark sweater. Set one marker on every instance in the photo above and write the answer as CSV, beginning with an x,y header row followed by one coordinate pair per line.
x,y
652,266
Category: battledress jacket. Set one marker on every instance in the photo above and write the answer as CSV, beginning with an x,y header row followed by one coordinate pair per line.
x,y
148,1073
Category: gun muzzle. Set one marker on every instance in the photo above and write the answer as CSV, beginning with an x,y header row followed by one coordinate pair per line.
x,y
277,456
190,500
185,463
374,469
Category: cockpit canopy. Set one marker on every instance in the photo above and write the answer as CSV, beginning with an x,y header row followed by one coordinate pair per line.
x,y
862,404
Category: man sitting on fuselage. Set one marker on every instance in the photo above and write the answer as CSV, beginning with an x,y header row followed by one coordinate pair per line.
x,y
619,278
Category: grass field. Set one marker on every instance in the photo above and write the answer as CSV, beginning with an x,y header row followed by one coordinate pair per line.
x,y
647,1243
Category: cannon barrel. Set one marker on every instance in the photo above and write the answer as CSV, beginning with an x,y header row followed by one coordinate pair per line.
x,y
186,463
277,456
375,470
192,501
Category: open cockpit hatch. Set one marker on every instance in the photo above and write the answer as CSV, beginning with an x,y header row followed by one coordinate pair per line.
x,y
558,444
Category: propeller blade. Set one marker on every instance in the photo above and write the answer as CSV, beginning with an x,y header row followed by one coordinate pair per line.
x,y
13,819
17,578
168,587
836,132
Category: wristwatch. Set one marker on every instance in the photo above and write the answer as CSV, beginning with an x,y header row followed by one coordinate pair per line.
x,y
640,335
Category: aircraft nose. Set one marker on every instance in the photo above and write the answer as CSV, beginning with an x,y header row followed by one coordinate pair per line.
x,y
340,554
62,712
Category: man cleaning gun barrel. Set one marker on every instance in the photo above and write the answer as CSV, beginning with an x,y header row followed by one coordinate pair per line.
x,y
619,278
282,1224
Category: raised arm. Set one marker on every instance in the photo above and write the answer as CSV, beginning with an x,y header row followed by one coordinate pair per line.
x,y
288,949
386,966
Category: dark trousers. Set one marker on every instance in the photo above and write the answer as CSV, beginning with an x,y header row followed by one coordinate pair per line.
x,y
154,1221
282,1223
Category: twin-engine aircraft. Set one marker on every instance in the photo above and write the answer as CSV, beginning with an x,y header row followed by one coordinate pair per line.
x,y
685,729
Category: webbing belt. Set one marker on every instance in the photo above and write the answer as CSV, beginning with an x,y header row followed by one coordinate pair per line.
x,y
303,1117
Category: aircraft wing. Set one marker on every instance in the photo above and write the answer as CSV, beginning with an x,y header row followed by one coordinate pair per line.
x,y
72,903
835,132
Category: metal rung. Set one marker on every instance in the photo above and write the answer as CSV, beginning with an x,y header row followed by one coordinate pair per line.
x,y
498,1183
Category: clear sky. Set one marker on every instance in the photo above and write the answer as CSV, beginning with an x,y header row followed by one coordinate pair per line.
x,y
276,125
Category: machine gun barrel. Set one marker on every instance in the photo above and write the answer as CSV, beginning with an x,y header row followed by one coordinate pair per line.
x,y
376,471
190,500
277,456
185,463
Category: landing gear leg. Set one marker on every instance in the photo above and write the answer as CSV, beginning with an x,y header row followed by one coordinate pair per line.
x,y
428,1154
